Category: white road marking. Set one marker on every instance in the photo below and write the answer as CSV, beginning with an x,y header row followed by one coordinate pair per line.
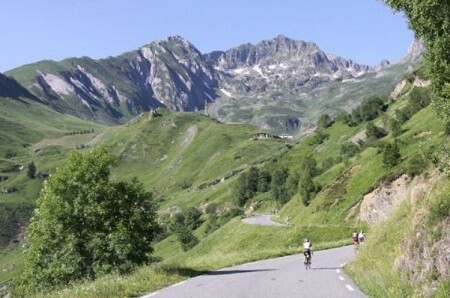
x,y
338,271
349,287
341,277
150,295
178,284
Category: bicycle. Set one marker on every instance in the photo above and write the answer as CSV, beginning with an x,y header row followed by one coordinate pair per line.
x,y
307,261
356,246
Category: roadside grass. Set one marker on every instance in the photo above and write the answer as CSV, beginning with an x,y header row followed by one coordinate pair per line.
x,y
10,264
235,243
373,268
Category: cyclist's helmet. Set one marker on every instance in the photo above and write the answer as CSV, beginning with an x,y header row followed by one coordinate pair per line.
x,y
306,240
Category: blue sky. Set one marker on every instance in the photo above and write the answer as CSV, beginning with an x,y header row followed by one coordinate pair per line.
x,y
363,30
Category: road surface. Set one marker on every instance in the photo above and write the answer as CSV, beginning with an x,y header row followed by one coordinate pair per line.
x,y
264,220
280,277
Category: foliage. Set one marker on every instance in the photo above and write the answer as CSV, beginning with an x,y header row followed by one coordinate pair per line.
x,y
416,165
395,127
85,225
264,180
319,137
186,238
373,132
419,98
324,121
251,182
307,187
431,23
278,185
349,149
12,215
391,154
31,170
369,109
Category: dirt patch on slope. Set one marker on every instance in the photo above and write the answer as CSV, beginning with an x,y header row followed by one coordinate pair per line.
x,y
379,204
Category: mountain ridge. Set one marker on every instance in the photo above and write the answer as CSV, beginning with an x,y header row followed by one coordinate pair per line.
x,y
173,73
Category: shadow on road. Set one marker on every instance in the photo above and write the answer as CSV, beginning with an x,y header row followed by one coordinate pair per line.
x,y
224,272
192,273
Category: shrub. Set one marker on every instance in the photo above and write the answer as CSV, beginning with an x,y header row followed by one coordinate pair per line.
x,y
391,155
85,225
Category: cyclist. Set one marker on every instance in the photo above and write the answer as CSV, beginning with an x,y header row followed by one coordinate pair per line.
x,y
307,251
355,239
361,237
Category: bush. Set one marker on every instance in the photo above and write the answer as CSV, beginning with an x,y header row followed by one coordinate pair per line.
x,y
391,155
85,225
187,238
349,149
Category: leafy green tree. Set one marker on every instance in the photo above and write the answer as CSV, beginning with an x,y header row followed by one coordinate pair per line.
x,y
327,163
324,121
278,185
187,238
241,189
369,109
395,127
308,170
192,218
308,189
319,137
252,182
85,225
247,186
373,132
391,155
349,149
431,22
308,166
264,180
31,172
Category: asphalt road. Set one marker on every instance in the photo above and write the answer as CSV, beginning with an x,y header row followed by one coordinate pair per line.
x,y
264,220
280,277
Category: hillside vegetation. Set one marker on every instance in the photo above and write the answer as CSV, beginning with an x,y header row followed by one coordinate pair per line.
x,y
195,167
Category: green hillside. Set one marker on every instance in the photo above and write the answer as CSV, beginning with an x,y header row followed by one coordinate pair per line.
x,y
196,166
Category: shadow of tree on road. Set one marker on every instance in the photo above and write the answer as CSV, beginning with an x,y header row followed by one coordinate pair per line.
x,y
189,272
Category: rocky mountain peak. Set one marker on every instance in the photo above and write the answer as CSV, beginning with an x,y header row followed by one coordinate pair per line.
x,y
415,52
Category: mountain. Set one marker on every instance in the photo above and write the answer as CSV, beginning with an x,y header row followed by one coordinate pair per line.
x,y
10,88
279,84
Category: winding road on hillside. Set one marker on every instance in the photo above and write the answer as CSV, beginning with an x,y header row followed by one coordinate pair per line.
x,y
280,277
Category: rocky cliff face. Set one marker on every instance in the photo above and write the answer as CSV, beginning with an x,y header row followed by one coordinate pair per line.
x,y
281,63
278,84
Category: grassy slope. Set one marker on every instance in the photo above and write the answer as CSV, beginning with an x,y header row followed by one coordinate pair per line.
x,y
161,145
176,153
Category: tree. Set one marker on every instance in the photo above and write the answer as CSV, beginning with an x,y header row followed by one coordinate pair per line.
x,y
324,121
187,238
391,155
85,225
278,185
264,180
431,22
395,127
308,166
31,172
349,149
373,132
